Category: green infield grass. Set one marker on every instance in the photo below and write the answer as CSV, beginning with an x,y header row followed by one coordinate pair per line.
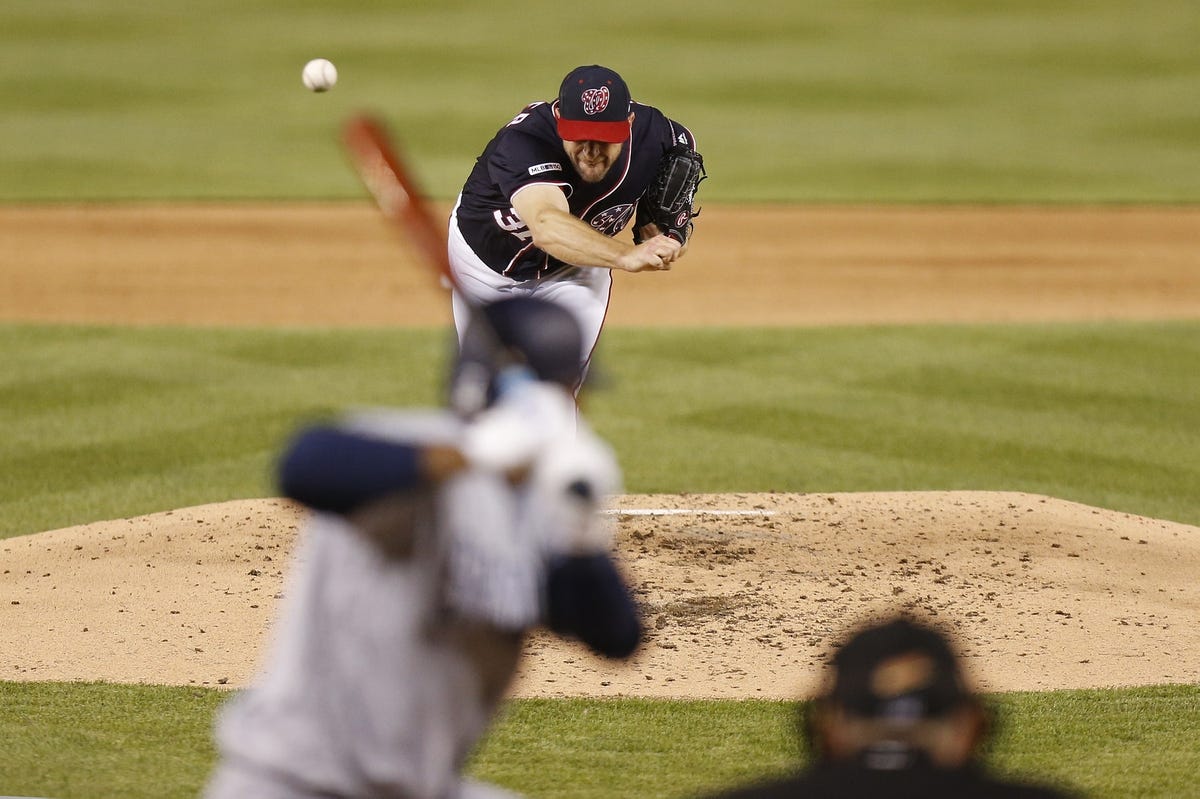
x,y
87,740
107,422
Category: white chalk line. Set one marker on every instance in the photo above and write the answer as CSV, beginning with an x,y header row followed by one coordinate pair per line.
x,y
687,512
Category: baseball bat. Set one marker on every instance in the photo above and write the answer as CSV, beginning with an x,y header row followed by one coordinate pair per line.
x,y
388,177
390,180
393,184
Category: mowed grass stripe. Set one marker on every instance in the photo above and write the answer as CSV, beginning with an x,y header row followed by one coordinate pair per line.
x,y
85,740
107,422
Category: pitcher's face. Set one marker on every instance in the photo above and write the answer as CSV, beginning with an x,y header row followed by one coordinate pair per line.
x,y
592,159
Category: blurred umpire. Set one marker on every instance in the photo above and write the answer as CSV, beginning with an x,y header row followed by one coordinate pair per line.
x,y
897,721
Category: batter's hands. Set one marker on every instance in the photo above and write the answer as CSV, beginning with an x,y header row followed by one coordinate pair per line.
x,y
655,254
526,418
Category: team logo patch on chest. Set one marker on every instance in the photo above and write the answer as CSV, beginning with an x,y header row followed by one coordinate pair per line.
x,y
612,220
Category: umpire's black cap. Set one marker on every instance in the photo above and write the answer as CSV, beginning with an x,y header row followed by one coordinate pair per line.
x,y
900,670
593,105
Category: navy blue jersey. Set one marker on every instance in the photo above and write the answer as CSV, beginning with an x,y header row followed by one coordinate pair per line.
x,y
528,151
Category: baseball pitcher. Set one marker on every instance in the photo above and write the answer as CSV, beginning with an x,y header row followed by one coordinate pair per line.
x,y
540,212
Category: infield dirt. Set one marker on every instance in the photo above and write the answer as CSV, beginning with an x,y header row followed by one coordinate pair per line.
x,y
745,594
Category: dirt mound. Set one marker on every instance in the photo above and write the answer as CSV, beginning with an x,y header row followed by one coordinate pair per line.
x,y
1042,593
744,594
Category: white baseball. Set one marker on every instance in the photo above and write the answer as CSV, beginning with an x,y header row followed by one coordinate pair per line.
x,y
319,75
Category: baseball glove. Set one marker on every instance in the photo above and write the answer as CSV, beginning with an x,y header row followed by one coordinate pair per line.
x,y
669,202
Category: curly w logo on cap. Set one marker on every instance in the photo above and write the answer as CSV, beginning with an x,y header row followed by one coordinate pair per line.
x,y
595,100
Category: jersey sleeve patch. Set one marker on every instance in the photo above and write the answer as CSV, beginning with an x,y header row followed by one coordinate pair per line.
x,y
551,166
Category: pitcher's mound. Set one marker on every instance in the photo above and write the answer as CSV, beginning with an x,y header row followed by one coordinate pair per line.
x,y
745,594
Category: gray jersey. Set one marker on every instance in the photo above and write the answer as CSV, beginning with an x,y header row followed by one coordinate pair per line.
x,y
387,666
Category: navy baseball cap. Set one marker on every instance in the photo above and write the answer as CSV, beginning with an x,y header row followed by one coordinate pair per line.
x,y
899,670
593,105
